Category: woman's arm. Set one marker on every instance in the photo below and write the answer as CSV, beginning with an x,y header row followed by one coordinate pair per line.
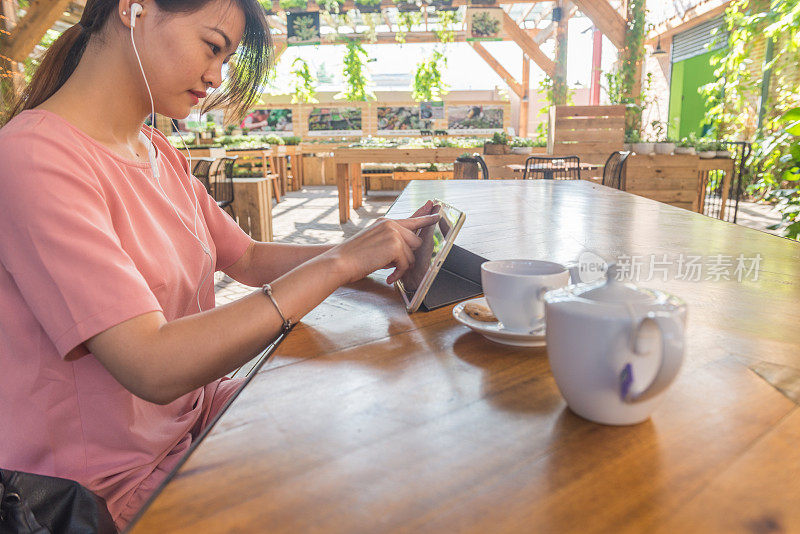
x,y
263,262
160,361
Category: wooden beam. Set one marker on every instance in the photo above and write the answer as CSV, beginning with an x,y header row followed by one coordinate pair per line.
x,y
606,18
525,14
550,30
280,48
41,16
513,84
526,96
529,47
692,17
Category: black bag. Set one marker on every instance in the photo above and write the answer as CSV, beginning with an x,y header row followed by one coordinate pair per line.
x,y
37,504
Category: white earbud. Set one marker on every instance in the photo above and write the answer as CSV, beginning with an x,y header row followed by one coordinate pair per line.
x,y
136,10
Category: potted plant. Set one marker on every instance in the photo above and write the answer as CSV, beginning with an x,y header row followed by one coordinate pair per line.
x,y
667,146
722,150
686,145
368,6
498,144
630,138
522,145
639,145
707,148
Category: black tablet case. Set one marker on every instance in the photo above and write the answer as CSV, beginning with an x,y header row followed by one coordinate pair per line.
x,y
458,278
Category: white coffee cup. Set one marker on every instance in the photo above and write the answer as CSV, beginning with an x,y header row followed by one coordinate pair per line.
x,y
515,289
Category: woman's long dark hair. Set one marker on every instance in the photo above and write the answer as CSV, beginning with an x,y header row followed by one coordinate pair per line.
x,y
246,73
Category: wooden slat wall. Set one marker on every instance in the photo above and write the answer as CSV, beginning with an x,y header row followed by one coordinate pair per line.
x,y
589,132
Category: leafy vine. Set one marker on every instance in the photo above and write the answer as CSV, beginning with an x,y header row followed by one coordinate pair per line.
x,y
355,74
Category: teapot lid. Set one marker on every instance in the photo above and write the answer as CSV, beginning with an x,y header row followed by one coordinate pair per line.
x,y
613,291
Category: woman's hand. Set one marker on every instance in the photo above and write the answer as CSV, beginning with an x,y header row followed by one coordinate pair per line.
x,y
385,244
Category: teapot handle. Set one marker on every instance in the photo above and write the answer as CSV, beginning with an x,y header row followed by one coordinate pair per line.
x,y
672,336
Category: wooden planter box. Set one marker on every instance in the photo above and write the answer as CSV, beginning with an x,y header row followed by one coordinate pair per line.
x,y
496,150
671,179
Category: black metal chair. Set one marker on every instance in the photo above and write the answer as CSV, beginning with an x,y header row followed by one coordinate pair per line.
x,y
202,171
222,186
477,159
552,168
740,152
613,171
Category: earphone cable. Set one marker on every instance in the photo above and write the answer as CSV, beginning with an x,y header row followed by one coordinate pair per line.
x,y
155,173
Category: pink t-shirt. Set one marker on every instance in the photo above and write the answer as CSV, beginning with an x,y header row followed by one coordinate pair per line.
x,y
89,241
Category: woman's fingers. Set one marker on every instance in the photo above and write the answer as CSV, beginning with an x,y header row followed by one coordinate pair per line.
x,y
425,209
415,223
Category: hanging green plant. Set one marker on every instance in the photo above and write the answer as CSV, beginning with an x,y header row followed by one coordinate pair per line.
x,y
331,6
446,32
405,23
371,21
303,82
355,74
428,82
266,4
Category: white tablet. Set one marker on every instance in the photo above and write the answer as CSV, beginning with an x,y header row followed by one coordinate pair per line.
x,y
437,239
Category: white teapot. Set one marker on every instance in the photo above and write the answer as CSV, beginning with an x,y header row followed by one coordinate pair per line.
x,y
614,348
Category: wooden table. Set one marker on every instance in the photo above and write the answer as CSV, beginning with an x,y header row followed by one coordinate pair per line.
x,y
371,420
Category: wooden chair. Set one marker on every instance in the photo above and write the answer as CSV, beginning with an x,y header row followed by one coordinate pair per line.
x,y
614,169
469,173
552,168
202,171
222,189
713,198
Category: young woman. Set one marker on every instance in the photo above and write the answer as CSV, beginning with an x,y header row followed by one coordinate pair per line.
x,y
111,348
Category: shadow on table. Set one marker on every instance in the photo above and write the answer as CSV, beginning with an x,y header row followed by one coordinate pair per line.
x,y
515,379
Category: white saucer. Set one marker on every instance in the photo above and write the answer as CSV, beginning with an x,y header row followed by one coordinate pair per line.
x,y
496,331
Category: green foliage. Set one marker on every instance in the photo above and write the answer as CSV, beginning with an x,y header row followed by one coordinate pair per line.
x,y
292,140
428,82
621,82
266,4
355,74
733,99
303,82
369,2
295,5
689,141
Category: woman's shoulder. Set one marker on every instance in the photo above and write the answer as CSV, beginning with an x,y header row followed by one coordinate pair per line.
x,y
38,135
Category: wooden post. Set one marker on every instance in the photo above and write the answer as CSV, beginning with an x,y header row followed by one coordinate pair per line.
x,y
343,185
526,95
562,36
